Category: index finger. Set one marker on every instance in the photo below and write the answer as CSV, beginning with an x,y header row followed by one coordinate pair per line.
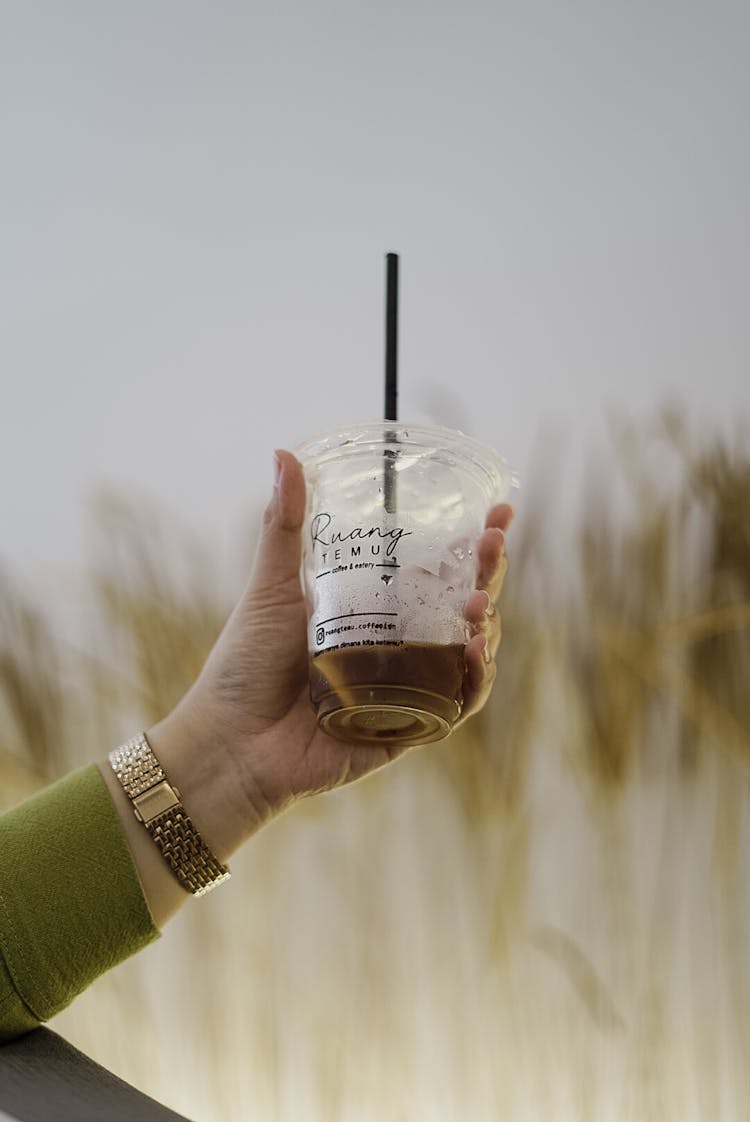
x,y
499,517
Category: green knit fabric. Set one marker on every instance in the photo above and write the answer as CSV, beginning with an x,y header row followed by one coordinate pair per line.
x,y
71,902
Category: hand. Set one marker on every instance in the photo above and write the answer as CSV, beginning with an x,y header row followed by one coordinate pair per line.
x,y
247,730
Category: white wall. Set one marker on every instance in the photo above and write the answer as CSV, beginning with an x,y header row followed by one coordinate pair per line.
x,y
195,200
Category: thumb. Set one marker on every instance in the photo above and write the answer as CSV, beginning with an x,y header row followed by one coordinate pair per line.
x,y
280,549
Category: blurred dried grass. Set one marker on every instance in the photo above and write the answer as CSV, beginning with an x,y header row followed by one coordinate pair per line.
x,y
547,916
32,707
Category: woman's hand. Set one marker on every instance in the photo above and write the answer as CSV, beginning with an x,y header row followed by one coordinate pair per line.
x,y
244,743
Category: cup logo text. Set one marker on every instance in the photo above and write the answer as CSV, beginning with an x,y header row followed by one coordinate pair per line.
x,y
324,535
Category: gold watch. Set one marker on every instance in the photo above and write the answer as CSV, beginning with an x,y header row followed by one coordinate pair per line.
x,y
158,805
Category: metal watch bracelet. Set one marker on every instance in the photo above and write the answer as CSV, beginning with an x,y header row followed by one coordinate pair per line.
x,y
158,805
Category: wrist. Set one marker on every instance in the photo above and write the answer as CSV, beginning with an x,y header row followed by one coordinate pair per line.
x,y
198,761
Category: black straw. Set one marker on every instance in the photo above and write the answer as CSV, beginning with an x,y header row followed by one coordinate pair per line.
x,y
391,376
391,337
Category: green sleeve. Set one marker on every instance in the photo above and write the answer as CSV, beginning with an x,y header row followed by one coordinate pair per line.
x,y
71,902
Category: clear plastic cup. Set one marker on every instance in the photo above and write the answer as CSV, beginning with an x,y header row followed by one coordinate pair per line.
x,y
394,513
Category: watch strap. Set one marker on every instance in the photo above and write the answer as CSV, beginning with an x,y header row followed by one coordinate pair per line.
x,y
158,805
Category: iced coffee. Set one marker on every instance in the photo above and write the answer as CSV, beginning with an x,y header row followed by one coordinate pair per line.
x,y
394,513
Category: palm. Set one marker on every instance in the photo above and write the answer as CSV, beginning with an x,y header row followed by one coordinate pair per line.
x,y
272,710
319,762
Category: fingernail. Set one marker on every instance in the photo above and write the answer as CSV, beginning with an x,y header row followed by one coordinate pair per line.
x,y
277,469
487,609
486,656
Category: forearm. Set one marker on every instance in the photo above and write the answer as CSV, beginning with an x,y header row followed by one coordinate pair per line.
x,y
71,906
